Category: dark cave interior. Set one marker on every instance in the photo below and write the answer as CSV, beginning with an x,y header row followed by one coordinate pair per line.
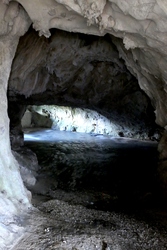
x,y
78,70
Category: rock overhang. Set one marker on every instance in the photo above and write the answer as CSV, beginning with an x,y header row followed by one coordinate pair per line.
x,y
141,27
78,70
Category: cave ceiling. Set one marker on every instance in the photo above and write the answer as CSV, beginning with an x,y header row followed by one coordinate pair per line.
x,y
67,66
78,70
71,69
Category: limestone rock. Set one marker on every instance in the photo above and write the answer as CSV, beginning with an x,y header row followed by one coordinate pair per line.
x,y
77,71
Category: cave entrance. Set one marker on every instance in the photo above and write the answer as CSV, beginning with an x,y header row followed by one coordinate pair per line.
x,y
86,72
103,171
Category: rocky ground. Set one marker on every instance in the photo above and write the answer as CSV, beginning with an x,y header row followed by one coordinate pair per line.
x,y
71,222
74,209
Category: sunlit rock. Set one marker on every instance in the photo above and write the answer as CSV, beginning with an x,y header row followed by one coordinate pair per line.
x,y
82,120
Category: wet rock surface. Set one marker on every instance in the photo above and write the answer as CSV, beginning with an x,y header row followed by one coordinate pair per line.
x,y
73,212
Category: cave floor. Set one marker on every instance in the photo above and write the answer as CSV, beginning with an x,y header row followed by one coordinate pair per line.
x,y
65,223
94,192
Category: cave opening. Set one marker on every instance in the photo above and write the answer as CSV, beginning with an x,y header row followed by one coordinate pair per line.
x,y
84,72
114,171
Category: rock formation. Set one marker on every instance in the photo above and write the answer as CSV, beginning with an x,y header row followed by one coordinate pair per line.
x,y
136,29
83,120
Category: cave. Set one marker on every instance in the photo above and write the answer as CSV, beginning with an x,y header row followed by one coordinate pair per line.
x,y
104,61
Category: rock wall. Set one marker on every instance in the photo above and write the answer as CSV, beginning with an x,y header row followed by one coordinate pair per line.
x,y
86,121
72,119
14,198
